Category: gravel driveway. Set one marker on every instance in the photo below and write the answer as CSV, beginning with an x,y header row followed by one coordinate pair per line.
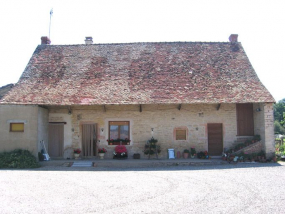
x,y
241,188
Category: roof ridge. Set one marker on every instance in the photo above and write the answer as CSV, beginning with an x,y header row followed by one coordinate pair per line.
x,y
138,43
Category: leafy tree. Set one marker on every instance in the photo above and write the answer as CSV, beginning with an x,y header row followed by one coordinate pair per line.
x,y
279,117
279,108
278,129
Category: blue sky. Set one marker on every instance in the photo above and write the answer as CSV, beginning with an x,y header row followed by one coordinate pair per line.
x,y
260,25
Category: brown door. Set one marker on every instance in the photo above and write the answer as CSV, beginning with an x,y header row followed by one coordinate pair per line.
x,y
215,139
55,140
245,119
89,140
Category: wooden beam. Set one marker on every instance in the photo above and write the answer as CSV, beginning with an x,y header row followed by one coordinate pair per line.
x,y
218,106
140,107
104,107
179,106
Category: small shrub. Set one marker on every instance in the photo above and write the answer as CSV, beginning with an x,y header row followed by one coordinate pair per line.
x,y
282,148
19,159
186,151
203,155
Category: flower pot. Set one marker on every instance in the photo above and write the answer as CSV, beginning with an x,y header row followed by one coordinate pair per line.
x,y
76,156
136,156
185,155
101,155
178,155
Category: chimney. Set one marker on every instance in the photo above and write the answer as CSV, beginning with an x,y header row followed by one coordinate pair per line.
x,y
45,40
88,40
233,38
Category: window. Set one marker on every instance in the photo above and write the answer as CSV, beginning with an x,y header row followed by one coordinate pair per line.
x,y
181,134
119,133
16,127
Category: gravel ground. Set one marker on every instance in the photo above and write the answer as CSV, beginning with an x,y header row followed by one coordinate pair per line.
x,y
241,188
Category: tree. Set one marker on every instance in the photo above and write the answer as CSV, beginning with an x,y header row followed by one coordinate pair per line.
x,y
278,129
279,108
279,117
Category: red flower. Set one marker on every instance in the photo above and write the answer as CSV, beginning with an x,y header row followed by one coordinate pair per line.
x,y
102,150
77,151
120,149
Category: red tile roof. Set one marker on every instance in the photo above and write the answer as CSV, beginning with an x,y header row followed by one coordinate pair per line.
x,y
139,73
5,89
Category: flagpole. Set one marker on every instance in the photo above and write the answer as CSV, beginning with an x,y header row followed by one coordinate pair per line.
x,y
50,13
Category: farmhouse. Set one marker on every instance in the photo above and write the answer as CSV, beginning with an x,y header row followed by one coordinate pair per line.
x,y
184,94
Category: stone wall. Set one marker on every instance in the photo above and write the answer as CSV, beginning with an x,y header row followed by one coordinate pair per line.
x,y
269,143
253,148
164,119
264,126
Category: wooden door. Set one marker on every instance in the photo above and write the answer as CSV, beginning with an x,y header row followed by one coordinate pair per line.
x,y
89,139
215,139
245,125
56,139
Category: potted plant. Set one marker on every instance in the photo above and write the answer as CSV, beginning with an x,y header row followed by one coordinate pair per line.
x,y
186,153
101,152
120,152
152,148
76,153
193,152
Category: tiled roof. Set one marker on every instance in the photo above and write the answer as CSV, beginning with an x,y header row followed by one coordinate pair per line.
x,y
139,73
5,89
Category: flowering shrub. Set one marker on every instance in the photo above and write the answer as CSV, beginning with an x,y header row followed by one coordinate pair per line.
x,y
120,149
120,152
102,150
77,151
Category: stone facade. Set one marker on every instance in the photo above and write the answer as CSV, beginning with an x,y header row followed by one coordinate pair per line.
x,y
164,119
264,126
269,143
